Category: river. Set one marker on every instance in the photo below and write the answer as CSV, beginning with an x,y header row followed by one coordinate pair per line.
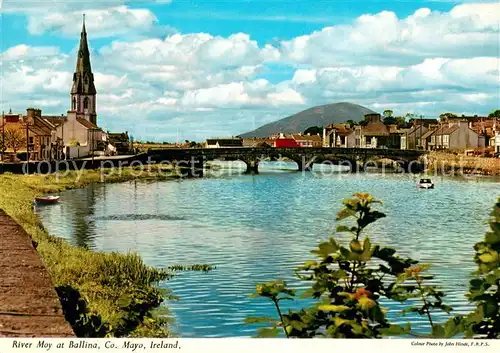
x,y
259,228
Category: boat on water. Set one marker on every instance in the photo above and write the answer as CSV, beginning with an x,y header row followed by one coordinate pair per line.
x,y
47,200
425,184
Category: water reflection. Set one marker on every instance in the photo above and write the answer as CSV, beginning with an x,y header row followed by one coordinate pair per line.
x,y
259,228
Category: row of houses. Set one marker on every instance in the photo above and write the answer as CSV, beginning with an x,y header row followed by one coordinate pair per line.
x,y
48,137
426,134
279,140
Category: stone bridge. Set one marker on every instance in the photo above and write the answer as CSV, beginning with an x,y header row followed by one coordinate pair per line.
x,y
305,157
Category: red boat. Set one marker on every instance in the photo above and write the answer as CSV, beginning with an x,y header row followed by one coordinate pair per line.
x,y
47,199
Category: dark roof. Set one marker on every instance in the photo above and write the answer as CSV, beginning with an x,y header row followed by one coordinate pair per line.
x,y
316,138
446,130
55,120
423,121
427,134
41,127
342,129
375,128
226,142
86,123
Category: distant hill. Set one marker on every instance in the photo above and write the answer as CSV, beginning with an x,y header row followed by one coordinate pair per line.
x,y
320,115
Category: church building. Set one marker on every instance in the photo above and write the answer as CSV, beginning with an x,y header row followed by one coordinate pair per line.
x,y
80,128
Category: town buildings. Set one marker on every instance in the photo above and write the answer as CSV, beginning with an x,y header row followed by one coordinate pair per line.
x,y
226,142
454,135
411,138
73,135
335,135
31,132
307,140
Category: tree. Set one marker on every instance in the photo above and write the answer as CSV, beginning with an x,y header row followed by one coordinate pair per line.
x,y
351,122
388,113
390,120
494,114
400,120
314,130
14,139
445,116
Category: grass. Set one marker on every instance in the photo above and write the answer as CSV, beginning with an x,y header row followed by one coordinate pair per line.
x,y
443,162
103,294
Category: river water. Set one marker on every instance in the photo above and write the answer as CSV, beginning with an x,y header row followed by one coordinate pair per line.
x,y
259,228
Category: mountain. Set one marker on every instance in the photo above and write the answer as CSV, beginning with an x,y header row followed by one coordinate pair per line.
x,y
320,115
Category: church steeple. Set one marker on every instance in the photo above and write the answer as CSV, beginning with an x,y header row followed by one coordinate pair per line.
x,y
83,91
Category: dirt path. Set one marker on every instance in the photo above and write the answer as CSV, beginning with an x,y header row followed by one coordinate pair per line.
x,y
29,306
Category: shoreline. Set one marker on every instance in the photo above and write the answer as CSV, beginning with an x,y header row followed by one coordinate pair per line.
x,y
451,164
90,283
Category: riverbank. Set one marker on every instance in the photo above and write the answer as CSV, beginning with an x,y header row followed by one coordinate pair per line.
x,y
103,294
29,305
460,164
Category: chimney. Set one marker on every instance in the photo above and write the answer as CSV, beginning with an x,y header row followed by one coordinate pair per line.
x,y
30,113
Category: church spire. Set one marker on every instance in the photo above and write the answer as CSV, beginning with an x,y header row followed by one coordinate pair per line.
x,y
83,92
83,62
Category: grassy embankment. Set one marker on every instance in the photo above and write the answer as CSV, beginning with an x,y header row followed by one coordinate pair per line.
x,y
103,294
459,164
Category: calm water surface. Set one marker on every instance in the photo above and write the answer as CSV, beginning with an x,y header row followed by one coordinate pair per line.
x,y
259,228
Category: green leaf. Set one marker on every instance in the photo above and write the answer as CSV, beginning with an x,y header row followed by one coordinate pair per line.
x,y
326,248
267,332
345,213
258,320
453,326
341,229
438,331
396,330
366,303
355,246
366,255
335,308
488,257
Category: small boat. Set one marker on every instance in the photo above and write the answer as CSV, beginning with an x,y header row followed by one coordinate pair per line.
x,y
46,200
425,184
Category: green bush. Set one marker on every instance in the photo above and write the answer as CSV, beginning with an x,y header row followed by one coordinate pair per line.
x,y
348,282
484,289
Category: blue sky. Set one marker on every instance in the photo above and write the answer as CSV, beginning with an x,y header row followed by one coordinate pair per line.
x,y
195,69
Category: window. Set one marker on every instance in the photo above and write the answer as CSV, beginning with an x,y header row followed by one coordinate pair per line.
x,y
86,103
73,105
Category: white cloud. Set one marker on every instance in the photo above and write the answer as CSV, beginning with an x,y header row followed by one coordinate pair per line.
x,y
195,85
24,52
468,30
99,22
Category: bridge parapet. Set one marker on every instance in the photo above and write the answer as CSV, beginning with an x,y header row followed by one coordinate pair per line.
x,y
305,157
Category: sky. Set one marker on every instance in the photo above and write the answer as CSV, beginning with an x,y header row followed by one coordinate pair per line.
x,y
170,70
